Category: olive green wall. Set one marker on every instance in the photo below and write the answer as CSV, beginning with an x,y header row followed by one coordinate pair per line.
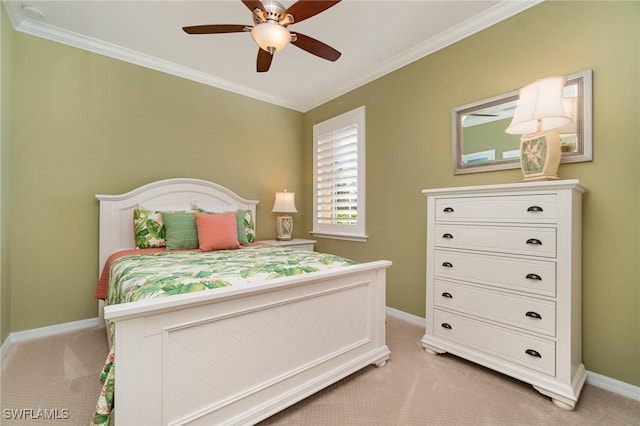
x,y
85,124
409,148
5,133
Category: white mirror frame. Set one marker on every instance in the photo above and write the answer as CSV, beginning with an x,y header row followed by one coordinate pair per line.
x,y
584,150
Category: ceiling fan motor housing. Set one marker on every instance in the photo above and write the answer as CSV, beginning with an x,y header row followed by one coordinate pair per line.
x,y
273,10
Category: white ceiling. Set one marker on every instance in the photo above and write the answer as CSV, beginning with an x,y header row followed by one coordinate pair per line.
x,y
375,38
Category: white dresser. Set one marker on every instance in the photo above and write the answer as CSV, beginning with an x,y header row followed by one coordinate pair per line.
x,y
504,281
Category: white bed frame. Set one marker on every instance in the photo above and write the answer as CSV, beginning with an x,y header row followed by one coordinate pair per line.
x,y
235,355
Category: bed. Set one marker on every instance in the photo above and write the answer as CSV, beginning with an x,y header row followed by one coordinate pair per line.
x,y
238,354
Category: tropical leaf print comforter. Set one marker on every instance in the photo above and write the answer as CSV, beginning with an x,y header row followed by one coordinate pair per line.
x,y
175,272
145,276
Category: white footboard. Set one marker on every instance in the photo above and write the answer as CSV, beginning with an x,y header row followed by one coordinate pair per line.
x,y
237,356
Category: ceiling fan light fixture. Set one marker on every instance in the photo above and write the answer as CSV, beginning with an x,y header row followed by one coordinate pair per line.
x,y
270,32
271,36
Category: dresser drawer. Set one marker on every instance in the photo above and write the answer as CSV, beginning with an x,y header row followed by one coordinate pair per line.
x,y
525,312
530,352
514,240
518,208
532,276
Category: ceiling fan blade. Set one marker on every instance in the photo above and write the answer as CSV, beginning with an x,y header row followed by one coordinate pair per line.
x,y
215,29
304,9
253,5
264,60
315,47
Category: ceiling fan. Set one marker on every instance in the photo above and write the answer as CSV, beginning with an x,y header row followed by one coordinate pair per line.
x,y
270,31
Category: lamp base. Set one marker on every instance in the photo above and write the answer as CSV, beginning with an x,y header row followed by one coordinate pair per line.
x,y
540,156
284,228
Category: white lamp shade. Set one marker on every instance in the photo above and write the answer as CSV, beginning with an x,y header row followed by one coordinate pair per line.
x,y
271,36
285,202
539,107
570,107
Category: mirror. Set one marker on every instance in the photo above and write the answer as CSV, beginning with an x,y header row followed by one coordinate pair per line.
x,y
481,145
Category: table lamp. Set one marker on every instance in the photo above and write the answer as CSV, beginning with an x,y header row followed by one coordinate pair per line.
x,y
540,110
285,203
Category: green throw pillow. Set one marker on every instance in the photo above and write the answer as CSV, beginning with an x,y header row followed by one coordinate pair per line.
x,y
181,231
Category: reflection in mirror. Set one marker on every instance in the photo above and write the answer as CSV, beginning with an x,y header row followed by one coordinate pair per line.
x,y
480,143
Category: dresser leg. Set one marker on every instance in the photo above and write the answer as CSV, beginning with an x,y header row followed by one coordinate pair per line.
x,y
431,349
564,403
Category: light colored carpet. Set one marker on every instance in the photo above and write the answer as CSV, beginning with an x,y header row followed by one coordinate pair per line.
x,y
53,373
414,388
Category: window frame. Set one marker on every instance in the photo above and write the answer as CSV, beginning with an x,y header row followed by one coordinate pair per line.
x,y
355,232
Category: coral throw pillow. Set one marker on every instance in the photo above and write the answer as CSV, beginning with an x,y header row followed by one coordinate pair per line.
x,y
217,231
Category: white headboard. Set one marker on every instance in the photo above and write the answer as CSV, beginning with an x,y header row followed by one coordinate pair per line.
x,y
116,211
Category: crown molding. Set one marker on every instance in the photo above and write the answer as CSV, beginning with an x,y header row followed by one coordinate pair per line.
x,y
49,32
492,16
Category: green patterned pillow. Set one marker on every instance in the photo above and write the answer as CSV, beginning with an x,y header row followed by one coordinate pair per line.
x,y
242,235
148,229
181,231
245,223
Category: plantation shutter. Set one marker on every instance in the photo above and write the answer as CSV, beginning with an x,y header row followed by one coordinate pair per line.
x,y
339,177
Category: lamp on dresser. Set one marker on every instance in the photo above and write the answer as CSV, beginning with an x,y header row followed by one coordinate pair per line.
x,y
540,110
284,203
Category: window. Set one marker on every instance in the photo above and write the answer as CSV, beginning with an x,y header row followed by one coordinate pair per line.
x,y
338,177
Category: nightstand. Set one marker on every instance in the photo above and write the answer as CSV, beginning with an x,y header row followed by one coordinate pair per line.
x,y
296,243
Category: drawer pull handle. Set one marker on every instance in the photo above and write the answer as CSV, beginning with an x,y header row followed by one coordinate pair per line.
x,y
533,352
447,236
447,264
447,326
447,295
448,210
536,209
532,314
534,242
534,277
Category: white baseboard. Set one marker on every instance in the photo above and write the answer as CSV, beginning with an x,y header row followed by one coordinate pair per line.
x,y
613,385
413,319
52,330
607,383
